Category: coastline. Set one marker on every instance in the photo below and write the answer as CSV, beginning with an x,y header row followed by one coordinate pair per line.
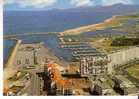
x,y
73,31
88,28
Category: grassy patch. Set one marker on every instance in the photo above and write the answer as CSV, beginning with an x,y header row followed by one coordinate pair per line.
x,y
134,71
104,44
123,41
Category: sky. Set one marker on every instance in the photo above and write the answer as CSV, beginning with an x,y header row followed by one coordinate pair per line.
x,y
60,4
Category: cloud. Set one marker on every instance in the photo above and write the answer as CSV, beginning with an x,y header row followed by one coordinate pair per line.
x,y
99,2
31,3
78,3
17,4
111,2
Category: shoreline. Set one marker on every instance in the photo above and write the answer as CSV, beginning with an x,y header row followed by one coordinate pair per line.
x,y
88,28
72,31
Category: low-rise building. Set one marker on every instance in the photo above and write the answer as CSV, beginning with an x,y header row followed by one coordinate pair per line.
x,y
30,55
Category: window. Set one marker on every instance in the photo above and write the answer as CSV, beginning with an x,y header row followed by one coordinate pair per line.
x,y
27,61
18,62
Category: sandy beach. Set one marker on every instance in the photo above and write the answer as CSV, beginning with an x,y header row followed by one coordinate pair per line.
x,y
88,28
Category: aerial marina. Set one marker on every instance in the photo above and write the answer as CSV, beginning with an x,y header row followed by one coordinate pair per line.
x,y
66,52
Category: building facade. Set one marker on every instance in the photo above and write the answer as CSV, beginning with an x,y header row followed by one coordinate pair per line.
x,y
122,57
93,66
98,65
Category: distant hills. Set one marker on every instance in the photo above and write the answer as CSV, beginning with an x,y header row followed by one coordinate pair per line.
x,y
117,8
113,9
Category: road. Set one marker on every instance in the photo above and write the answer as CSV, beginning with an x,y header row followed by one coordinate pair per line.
x,y
35,83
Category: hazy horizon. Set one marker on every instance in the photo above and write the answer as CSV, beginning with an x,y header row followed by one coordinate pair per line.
x,y
16,5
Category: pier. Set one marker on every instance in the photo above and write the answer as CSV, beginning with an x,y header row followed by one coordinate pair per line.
x,y
27,34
